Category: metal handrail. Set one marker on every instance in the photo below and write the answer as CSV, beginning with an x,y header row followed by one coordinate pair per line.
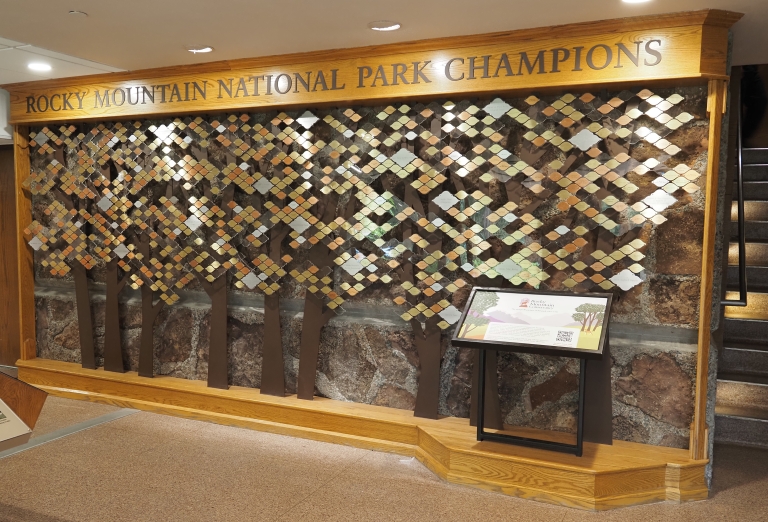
x,y
742,301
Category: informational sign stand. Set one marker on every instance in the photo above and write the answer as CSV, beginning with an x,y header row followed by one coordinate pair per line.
x,y
20,406
560,324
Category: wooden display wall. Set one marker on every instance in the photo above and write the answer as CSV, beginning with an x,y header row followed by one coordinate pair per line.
x,y
398,193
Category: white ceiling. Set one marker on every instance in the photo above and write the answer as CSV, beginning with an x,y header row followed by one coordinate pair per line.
x,y
16,56
149,33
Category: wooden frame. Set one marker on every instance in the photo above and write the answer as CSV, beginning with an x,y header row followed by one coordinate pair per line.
x,y
26,274
716,106
696,51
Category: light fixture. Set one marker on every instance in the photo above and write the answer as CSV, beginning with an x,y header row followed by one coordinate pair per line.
x,y
199,49
384,25
39,67
635,1
81,14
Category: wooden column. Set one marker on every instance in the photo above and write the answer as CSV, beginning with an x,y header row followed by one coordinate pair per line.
x,y
9,283
716,108
26,270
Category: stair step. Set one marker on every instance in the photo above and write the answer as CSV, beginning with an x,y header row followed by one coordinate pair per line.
x,y
757,254
740,431
753,231
757,278
746,412
750,381
756,190
751,156
733,392
745,330
744,359
734,427
757,307
753,211
756,172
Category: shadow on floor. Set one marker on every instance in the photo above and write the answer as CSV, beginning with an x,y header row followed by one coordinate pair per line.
x,y
10,513
737,466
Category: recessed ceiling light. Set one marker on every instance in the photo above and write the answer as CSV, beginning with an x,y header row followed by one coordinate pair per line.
x,y
39,66
78,13
384,25
199,49
635,1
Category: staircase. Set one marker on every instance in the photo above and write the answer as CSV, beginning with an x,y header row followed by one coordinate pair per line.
x,y
742,378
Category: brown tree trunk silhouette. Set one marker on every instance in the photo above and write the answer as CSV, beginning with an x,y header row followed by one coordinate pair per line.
x,y
84,316
218,357
113,350
272,361
218,360
149,313
314,316
82,297
427,336
312,327
594,322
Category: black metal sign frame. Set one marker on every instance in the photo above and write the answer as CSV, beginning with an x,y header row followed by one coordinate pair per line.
x,y
594,380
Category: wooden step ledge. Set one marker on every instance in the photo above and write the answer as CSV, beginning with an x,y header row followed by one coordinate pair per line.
x,y
756,309
606,477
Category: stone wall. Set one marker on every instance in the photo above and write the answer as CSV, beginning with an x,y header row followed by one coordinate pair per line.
x,y
372,359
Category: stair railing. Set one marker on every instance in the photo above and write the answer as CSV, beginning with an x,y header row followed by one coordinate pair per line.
x,y
742,301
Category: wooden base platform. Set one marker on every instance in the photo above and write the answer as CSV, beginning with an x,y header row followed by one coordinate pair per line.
x,y
605,477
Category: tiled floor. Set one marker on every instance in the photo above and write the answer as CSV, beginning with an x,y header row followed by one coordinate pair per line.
x,y
147,467
59,413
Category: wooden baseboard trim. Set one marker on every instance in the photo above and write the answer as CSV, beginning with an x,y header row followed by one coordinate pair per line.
x,y
606,477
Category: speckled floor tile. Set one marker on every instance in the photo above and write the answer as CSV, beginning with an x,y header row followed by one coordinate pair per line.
x,y
148,467
405,500
59,413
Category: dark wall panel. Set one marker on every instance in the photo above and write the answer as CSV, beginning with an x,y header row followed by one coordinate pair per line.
x,y
9,306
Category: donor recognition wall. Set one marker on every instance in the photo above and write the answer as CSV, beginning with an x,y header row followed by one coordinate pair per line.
x,y
330,250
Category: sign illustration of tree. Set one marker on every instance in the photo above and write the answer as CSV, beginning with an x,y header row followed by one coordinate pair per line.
x,y
589,315
598,321
482,302
62,236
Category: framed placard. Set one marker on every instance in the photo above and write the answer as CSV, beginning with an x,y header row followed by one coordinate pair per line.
x,y
550,323
13,431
